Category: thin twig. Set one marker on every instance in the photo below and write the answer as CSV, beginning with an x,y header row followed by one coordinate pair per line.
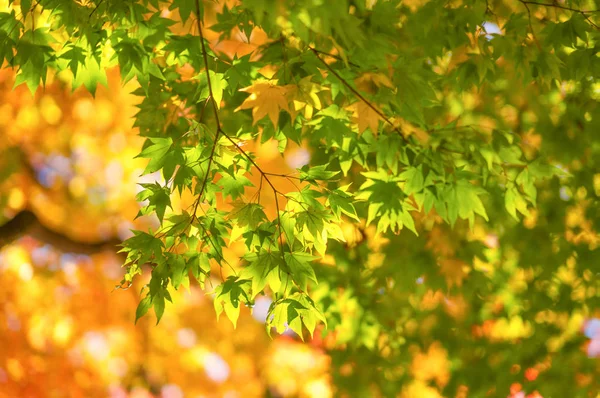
x,y
293,200
260,187
347,61
247,156
526,4
283,175
203,108
211,98
266,178
584,13
210,160
95,9
336,57
358,95
221,132
293,183
587,18
554,5
206,68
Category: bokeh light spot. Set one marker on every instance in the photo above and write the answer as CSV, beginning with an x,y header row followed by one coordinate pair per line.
x,y
261,308
215,367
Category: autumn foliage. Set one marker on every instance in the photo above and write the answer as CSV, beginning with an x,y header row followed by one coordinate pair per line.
x,y
299,198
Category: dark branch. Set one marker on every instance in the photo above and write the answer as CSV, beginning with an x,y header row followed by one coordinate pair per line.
x,y
95,9
554,5
584,13
211,98
27,223
206,68
336,57
526,4
358,95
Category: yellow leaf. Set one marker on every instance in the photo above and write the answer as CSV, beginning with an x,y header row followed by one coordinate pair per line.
x,y
267,98
371,82
418,388
268,71
365,117
432,365
510,329
410,129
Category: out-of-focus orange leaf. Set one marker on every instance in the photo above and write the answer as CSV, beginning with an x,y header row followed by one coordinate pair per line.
x,y
432,365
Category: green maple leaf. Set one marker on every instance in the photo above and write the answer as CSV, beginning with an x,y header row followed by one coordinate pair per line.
x,y
218,85
158,301
414,181
314,173
76,56
341,202
240,74
143,307
158,197
248,214
142,246
300,268
263,269
186,8
156,152
295,311
229,297
199,264
234,185
179,271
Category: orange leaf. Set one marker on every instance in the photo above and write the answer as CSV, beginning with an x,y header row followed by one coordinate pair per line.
x,y
267,98
453,270
365,117
432,365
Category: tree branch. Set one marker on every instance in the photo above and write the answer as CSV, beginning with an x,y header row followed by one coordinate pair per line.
x,y
27,223
584,13
358,94
526,4
206,68
336,57
211,98
95,9
554,5
221,132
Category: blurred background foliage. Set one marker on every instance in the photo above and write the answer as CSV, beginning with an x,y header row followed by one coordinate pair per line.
x,y
507,304
65,330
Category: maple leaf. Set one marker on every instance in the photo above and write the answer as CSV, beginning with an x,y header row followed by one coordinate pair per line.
x,y
307,98
371,82
233,185
365,117
432,365
409,129
267,98
453,270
